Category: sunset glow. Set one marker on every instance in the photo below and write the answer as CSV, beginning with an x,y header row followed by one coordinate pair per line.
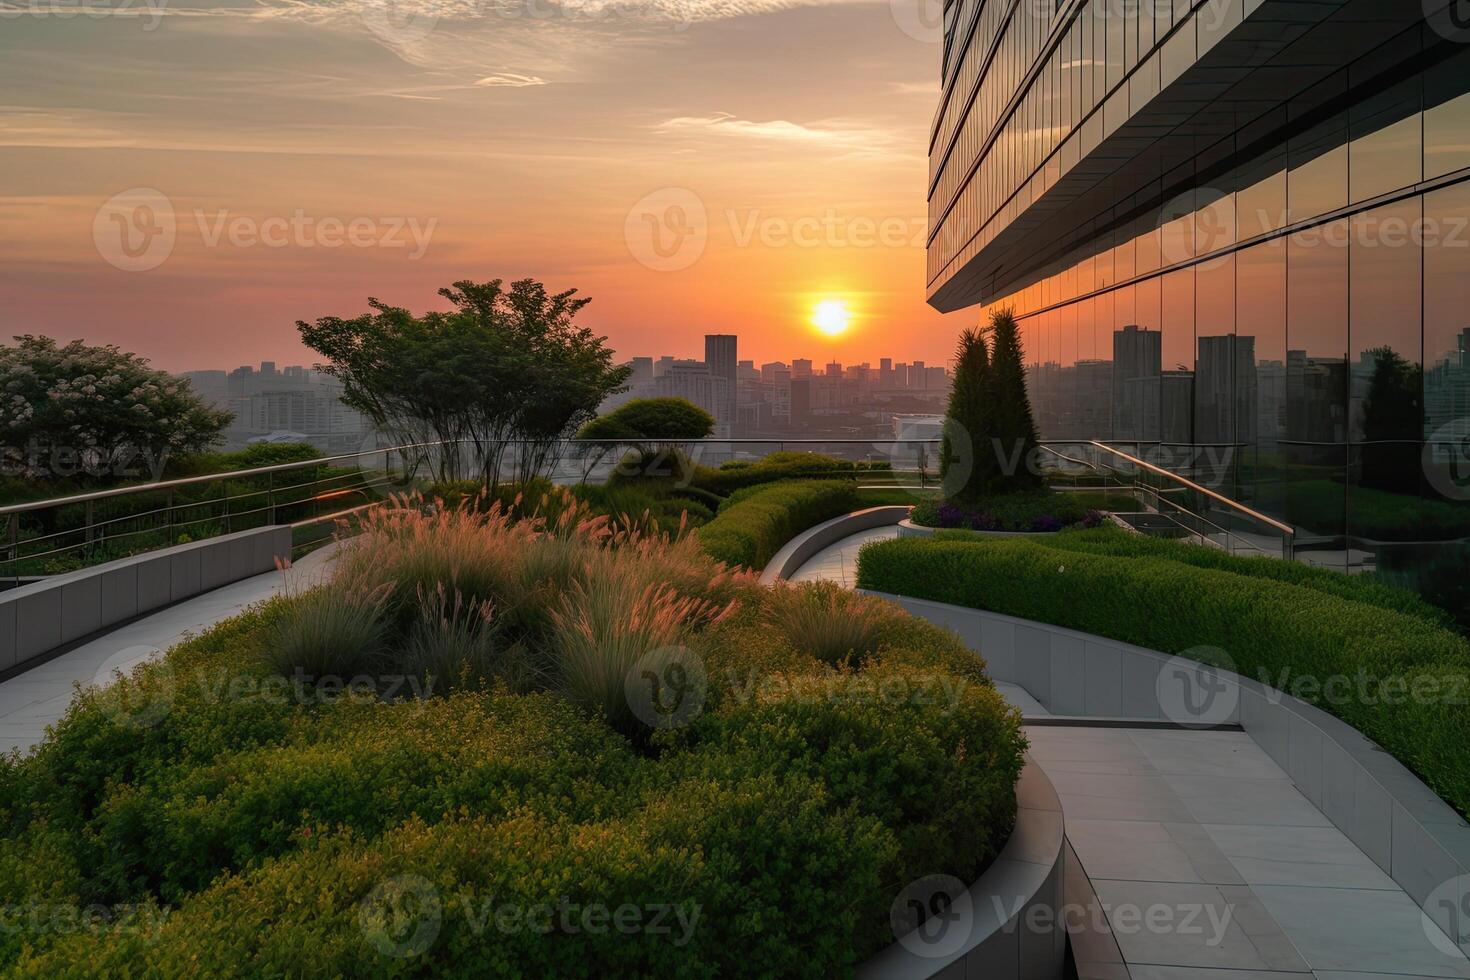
x,y
831,317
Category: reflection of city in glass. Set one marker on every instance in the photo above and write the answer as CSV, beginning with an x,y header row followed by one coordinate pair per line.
x,y
1262,274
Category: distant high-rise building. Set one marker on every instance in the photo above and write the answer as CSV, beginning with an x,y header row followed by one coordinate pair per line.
x,y
642,371
720,358
801,367
834,369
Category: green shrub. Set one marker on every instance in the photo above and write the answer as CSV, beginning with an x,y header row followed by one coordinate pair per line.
x,y
1027,510
1269,628
778,467
829,622
649,419
1111,540
327,632
750,531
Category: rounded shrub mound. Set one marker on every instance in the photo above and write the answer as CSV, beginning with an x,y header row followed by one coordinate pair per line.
x,y
654,768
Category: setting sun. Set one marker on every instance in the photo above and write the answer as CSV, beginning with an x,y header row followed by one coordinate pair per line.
x,y
831,317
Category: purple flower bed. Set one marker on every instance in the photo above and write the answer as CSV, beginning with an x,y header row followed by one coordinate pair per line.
x,y
1035,513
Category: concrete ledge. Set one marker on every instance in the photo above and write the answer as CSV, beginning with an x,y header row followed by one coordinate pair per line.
x,y
908,529
1415,837
800,549
39,619
993,930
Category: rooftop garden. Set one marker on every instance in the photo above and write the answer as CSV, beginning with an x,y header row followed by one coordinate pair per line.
x,y
1380,658
499,743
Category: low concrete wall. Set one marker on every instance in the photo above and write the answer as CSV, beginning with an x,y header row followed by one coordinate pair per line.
x,y
1413,835
37,619
908,529
993,930
801,549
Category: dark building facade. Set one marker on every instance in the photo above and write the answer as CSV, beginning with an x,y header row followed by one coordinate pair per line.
x,y
1234,229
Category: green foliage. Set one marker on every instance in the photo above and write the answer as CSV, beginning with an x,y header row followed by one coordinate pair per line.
x,y
1275,631
751,530
778,467
775,829
501,365
966,466
95,414
1026,510
1112,540
648,419
1012,429
1392,427
327,632
829,622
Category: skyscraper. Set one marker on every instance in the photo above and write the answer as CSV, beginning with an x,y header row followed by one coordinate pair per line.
x,y
720,358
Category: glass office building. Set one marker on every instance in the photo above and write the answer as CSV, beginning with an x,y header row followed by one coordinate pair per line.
x,y
1236,234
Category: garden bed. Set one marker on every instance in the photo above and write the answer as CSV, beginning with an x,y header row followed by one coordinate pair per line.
x,y
1307,632
476,721
1024,512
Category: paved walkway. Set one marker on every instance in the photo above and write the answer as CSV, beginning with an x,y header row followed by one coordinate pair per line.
x,y
838,562
39,697
1207,862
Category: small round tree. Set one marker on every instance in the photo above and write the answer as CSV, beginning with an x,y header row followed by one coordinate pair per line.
x,y
647,419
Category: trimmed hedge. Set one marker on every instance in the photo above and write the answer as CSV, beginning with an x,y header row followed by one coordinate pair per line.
x,y
778,467
1114,541
750,530
1270,629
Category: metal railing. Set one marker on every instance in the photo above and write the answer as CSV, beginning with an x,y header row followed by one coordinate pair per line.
x,y
43,537
1198,510
48,536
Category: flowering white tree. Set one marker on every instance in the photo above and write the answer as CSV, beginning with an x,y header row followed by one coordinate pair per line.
x,y
95,412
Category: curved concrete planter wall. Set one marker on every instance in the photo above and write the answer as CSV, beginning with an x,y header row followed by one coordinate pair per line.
x,y
1413,835
38,619
802,548
1008,924
908,529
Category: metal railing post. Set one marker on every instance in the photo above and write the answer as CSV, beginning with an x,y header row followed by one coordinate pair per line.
x,y
270,498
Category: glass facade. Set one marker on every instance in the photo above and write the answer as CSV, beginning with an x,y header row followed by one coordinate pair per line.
x,y
1281,311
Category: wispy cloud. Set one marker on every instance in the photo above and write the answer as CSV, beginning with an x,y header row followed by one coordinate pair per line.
x,y
835,133
510,80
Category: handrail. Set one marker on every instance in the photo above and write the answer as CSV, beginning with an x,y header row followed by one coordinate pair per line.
x,y
1286,529
155,486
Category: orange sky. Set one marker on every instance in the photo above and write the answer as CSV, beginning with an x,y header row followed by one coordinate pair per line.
x,y
188,181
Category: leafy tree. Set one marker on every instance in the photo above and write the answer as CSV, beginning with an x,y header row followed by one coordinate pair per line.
x,y
648,419
1393,424
964,471
499,380
1012,428
95,414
